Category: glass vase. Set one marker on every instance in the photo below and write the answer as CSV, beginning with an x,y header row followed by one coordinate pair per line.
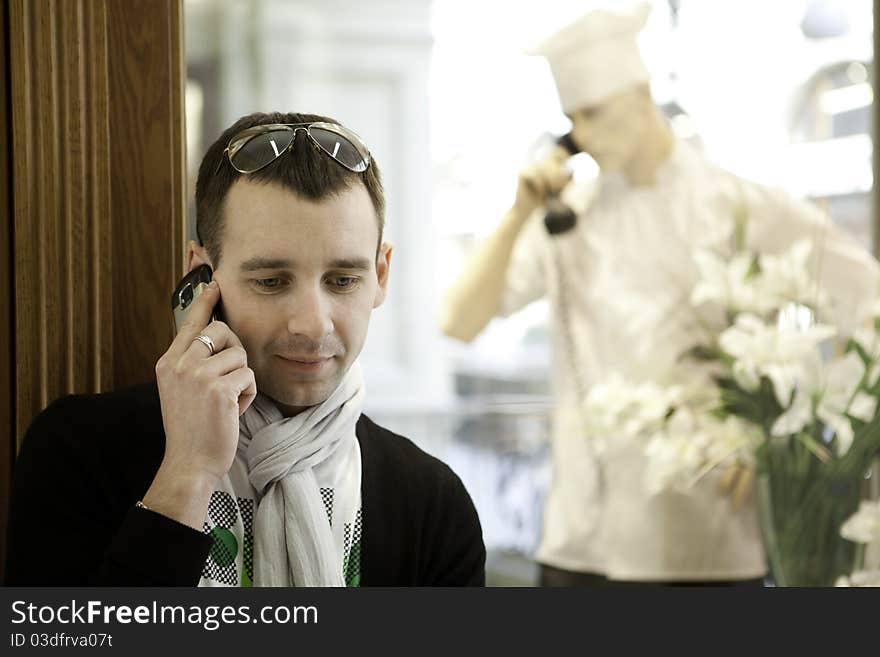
x,y
803,501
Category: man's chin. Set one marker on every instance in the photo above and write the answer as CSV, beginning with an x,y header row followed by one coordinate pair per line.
x,y
300,395
304,395
289,387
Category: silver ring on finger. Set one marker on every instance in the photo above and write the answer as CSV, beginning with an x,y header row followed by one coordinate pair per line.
x,y
208,342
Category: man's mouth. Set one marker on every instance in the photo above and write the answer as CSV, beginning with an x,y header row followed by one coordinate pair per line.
x,y
306,359
305,363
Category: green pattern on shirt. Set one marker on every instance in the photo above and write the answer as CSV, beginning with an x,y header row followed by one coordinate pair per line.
x,y
352,566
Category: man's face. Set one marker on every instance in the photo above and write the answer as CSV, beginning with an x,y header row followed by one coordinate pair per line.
x,y
298,281
610,131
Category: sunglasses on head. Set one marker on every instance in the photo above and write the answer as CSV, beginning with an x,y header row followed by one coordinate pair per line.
x,y
256,147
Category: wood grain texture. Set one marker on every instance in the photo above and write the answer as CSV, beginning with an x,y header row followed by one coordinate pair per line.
x,y
61,200
7,381
147,179
97,194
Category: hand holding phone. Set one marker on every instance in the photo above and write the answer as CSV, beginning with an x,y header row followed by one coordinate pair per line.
x,y
204,386
187,291
544,178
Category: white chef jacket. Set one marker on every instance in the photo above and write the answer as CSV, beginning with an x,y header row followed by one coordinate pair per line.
x,y
630,271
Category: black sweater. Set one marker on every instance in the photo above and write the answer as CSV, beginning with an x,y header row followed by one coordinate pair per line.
x,y
86,460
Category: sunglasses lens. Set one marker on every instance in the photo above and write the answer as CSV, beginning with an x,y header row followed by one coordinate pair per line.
x,y
340,148
260,150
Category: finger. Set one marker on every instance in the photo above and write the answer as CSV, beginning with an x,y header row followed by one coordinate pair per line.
x,y
556,156
549,169
555,176
560,180
531,178
224,362
220,334
542,186
244,384
560,153
198,317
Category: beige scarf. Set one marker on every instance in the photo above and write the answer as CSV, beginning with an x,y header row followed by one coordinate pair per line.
x,y
293,541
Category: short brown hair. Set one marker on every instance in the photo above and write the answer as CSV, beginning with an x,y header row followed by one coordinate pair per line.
x,y
305,171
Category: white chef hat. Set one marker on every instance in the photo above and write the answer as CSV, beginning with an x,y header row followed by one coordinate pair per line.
x,y
596,56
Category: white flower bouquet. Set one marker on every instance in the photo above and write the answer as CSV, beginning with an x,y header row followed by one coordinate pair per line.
x,y
863,529
770,386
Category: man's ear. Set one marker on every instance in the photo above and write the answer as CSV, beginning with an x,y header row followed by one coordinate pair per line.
x,y
383,266
196,255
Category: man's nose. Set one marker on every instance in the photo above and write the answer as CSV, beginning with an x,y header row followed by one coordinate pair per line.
x,y
310,314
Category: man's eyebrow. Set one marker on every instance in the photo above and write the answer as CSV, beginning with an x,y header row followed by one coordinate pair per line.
x,y
351,263
259,262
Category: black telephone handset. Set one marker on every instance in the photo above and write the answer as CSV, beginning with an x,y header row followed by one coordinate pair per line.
x,y
559,217
188,290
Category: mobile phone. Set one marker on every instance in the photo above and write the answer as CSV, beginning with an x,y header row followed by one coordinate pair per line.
x,y
187,291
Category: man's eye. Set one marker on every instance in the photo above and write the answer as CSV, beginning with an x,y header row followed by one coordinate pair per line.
x,y
344,282
268,283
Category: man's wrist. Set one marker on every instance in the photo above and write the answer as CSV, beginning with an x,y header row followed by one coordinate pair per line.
x,y
517,216
181,495
187,479
520,211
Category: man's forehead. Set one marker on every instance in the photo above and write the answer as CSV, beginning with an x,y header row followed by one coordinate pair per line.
x,y
271,223
245,194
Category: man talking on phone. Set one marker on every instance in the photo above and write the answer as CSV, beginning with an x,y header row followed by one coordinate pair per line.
x,y
249,461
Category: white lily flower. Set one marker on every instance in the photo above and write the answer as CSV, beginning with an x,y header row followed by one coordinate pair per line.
x,y
746,375
683,437
865,578
692,444
864,525
778,353
863,407
869,341
782,278
786,277
793,420
873,374
673,460
833,388
620,409
841,379
784,377
733,437
728,283
740,340
859,578
842,429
